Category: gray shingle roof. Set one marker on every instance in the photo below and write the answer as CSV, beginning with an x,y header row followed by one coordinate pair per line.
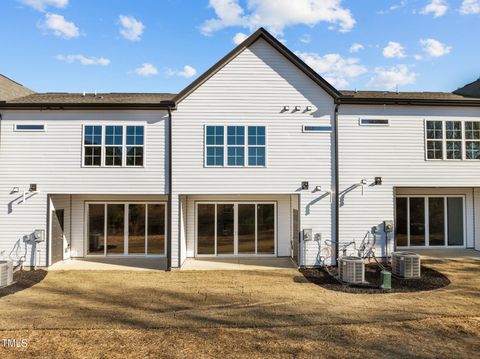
x,y
469,90
406,95
10,89
99,98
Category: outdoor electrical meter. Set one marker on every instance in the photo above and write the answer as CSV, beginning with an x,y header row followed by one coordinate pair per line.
x,y
307,234
388,226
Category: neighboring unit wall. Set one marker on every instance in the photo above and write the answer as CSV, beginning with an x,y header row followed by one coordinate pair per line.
x,y
397,154
253,89
52,159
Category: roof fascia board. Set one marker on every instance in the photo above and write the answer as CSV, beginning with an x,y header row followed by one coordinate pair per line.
x,y
407,102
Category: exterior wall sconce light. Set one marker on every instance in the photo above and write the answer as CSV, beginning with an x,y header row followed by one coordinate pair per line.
x,y
305,185
318,189
33,187
286,108
309,108
298,108
378,181
15,190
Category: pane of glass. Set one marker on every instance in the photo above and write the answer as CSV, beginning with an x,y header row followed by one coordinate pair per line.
x,y
236,135
134,156
156,229
214,156
401,227
136,229
472,130
246,229
436,221
135,135
215,135
454,150
93,135
115,228
113,156
417,221
225,229
96,228
265,229
114,135
236,156
206,229
93,156
434,130
256,156
455,221
256,135
434,150
472,150
453,130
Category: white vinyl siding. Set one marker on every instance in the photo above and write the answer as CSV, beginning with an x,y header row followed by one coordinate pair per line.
x,y
252,90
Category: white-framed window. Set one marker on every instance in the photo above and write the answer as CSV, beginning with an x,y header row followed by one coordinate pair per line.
x,y
29,127
113,146
235,146
452,140
374,122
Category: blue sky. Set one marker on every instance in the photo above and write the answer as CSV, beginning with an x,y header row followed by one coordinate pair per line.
x,y
162,45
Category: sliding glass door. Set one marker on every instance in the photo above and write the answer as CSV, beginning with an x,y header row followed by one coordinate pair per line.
x,y
118,229
235,229
430,221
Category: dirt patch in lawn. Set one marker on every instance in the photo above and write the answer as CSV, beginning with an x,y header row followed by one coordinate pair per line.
x,y
430,279
23,280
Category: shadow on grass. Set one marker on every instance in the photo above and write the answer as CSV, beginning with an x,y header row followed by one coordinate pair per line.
x,y
23,280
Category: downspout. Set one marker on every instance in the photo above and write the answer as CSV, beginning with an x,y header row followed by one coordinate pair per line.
x,y
337,182
169,201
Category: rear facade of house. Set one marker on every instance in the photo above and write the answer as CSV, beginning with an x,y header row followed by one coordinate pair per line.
x,y
258,157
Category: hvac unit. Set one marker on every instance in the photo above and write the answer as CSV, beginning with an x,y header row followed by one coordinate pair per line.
x,y
351,269
406,264
6,273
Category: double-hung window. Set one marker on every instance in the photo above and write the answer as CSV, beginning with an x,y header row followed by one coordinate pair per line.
x,y
135,145
215,140
113,146
92,143
235,146
435,140
472,140
453,131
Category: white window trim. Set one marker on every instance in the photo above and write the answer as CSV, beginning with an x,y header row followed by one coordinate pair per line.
x,y
426,224
16,129
124,145
225,146
126,234
235,235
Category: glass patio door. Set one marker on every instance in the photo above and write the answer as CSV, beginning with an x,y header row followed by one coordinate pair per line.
x,y
235,229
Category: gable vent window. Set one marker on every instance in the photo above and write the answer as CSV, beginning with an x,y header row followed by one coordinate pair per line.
x,y
373,122
452,140
30,128
317,128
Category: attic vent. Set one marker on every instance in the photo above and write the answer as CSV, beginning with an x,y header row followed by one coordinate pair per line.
x,y
406,264
373,122
317,128
29,127
351,269
6,273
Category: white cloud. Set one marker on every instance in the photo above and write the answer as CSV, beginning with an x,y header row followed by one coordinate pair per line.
x,y
146,70
275,15
434,48
470,7
239,38
394,7
333,67
101,61
60,26
418,57
187,72
356,47
390,78
436,7
41,5
306,39
132,29
394,50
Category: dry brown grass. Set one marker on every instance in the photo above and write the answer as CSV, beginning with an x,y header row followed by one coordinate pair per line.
x,y
238,314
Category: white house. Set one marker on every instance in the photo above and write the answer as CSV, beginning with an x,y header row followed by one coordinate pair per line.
x,y
259,156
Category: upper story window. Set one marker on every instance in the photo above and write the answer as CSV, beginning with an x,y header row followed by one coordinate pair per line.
x,y
235,146
453,140
113,146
